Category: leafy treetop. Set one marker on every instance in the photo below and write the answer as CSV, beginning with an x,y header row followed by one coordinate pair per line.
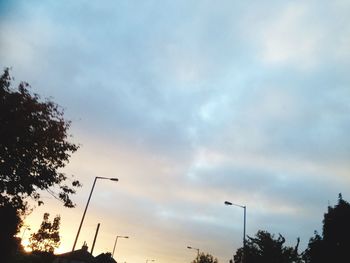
x,y
334,244
205,258
33,147
47,238
265,248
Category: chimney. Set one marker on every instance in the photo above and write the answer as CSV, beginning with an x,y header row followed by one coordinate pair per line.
x,y
84,247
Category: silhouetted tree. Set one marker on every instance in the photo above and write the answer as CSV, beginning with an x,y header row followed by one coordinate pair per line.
x,y
265,248
10,223
315,252
33,147
205,258
334,245
47,238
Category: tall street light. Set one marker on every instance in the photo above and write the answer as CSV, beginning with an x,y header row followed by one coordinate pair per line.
x,y
87,204
195,249
115,243
244,225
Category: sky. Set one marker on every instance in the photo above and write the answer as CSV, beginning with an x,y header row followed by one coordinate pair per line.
x,y
190,103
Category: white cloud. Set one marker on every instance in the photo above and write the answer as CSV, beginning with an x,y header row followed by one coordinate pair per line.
x,y
291,37
187,111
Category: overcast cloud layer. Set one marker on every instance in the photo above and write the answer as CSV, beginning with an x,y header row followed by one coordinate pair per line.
x,y
189,104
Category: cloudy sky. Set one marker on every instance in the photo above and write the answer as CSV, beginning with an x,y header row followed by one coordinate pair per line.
x,y
189,104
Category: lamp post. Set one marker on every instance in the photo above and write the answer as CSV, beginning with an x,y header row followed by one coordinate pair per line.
x,y
115,243
195,249
244,226
87,204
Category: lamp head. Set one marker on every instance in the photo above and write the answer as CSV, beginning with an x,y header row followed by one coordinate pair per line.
x,y
228,203
114,179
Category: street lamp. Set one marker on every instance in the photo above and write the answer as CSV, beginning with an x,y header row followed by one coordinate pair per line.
x,y
244,225
87,204
195,249
115,243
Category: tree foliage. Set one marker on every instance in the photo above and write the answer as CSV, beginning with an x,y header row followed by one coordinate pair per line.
x,y
265,248
334,244
315,250
33,147
10,223
47,238
205,258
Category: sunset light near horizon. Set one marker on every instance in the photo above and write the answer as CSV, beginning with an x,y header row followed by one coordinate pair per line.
x,y
190,104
